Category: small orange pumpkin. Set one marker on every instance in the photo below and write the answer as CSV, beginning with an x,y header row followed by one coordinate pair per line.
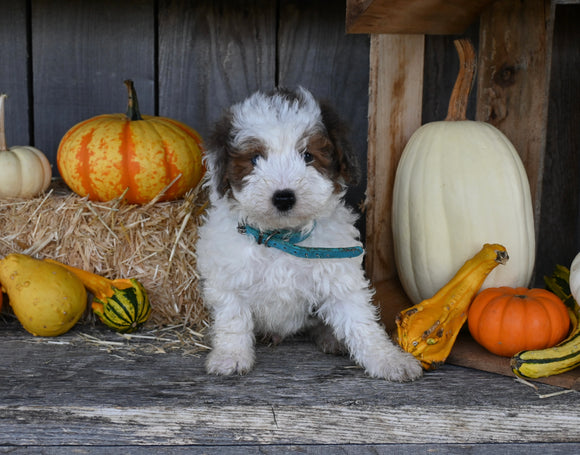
x,y
108,155
507,320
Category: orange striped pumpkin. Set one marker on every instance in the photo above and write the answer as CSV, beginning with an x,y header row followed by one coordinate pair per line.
x,y
108,155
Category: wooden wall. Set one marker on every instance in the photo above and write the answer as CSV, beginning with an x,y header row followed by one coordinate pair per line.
x,y
62,61
65,60
559,232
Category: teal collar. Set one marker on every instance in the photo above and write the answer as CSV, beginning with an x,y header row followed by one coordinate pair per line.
x,y
286,241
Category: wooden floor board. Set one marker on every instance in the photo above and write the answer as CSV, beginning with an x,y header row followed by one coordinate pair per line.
x,y
355,449
68,392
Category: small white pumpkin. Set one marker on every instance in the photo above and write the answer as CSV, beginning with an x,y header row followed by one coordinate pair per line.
x,y
575,278
24,171
460,184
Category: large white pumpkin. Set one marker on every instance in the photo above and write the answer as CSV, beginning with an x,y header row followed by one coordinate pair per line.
x,y
460,184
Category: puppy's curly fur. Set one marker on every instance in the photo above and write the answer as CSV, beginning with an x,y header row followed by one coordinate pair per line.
x,y
281,161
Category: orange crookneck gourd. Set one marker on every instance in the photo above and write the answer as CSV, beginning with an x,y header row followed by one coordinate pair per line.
x,y
429,329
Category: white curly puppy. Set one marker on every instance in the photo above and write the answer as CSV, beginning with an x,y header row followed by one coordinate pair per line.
x,y
278,252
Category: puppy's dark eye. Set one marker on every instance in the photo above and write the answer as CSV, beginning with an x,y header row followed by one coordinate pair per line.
x,y
254,160
308,157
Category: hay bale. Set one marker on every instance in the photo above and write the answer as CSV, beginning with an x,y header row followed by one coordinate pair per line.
x,y
154,243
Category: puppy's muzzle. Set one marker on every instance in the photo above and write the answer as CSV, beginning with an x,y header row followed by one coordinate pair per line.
x,y
284,200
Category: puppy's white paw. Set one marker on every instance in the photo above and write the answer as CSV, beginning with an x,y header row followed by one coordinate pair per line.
x,y
228,362
395,365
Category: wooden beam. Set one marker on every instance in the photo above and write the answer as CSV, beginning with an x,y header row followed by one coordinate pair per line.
x,y
433,17
395,101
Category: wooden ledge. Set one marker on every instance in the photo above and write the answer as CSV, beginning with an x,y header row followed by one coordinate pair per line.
x,y
68,392
429,17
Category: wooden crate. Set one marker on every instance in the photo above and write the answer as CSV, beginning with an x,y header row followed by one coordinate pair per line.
x,y
514,65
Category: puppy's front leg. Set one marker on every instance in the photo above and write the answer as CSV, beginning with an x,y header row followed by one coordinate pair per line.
x,y
232,341
355,322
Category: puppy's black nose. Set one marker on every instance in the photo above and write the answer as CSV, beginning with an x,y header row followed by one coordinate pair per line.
x,y
284,200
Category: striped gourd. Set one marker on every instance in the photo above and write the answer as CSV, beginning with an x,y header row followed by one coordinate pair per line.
x,y
126,310
548,362
563,357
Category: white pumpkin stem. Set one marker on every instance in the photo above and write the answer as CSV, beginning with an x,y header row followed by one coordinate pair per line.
x,y
3,147
457,109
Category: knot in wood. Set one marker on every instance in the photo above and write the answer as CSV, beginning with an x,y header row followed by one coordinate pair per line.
x,y
506,76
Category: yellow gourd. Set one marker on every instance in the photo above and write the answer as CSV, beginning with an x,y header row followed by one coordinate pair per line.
x,y
46,298
428,329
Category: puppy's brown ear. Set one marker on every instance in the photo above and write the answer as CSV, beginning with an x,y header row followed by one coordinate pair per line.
x,y
219,152
346,161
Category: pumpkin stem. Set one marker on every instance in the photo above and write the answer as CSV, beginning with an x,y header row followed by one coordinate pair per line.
x,y
133,112
457,108
3,147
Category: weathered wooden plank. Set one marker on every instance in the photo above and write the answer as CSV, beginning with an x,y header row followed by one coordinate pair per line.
x,y
286,424
513,79
14,75
66,391
315,449
412,16
559,236
213,54
395,100
315,52
82,52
